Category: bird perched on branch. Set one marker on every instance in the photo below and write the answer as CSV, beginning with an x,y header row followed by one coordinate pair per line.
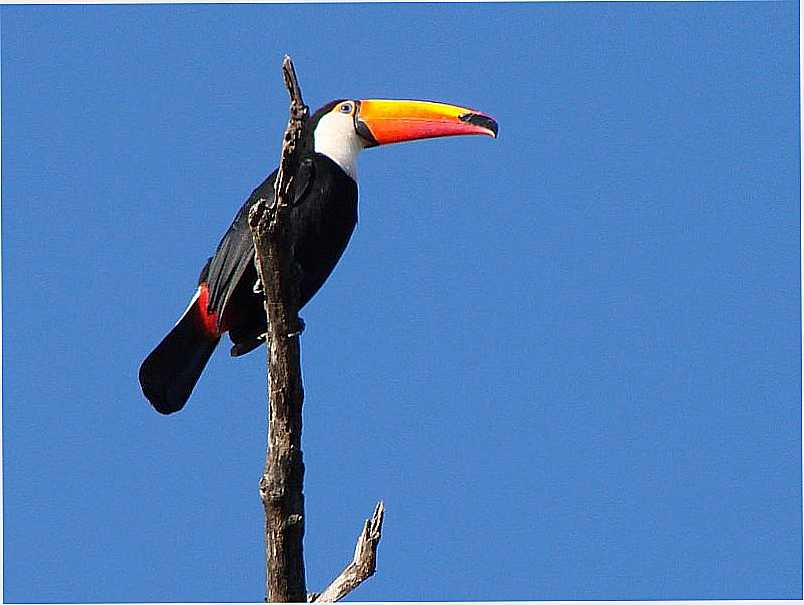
x,y
323,216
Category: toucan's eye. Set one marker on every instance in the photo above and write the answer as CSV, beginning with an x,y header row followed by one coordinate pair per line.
x,y
346,108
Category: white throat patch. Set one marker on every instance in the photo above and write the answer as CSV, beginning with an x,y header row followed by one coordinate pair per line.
x,y
335,137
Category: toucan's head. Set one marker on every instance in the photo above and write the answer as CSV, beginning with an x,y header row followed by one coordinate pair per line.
x,y
342,129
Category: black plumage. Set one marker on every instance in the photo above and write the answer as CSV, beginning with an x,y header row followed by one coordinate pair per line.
x,y
322,219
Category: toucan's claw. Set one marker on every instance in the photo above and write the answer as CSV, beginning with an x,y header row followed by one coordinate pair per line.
x,y
299,328
257,289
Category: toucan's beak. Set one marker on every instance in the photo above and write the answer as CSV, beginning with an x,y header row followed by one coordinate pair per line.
x,y
383,121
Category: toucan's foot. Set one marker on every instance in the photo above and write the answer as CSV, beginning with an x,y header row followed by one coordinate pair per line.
x,y
299,328
248,342
257,288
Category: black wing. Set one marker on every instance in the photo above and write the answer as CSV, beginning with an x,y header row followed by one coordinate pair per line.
x,y
235,253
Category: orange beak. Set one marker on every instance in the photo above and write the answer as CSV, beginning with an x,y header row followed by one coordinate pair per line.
x,y
384,121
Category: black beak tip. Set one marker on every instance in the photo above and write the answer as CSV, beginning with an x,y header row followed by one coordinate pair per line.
x,y
478,119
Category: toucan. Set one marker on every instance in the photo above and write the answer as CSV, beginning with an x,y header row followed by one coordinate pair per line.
x,y
322,218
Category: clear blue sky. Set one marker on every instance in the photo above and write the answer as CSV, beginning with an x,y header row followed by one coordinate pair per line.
x,y
568,360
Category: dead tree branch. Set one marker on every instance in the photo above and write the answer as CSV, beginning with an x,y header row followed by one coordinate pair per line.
x,y
363,564
282,481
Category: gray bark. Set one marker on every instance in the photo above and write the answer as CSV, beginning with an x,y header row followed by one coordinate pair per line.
x,y
282,481
281,485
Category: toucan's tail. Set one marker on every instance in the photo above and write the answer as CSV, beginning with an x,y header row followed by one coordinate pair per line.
x,y
169,373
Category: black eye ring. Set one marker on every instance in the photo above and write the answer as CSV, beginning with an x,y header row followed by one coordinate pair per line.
x,y
345,108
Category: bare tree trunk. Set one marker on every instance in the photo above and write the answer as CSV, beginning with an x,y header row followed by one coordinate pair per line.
x,y
282,482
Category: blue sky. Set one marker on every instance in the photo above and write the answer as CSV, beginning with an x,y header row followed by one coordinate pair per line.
x,y
568,360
